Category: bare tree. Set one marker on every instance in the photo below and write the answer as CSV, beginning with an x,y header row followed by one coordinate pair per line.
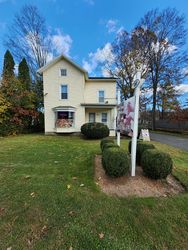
x,y
165,54
27,38
129,55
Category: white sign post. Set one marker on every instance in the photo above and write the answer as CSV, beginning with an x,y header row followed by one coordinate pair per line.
x,y
139,82
118,131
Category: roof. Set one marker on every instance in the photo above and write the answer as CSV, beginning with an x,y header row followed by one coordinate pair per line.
x,y
57,59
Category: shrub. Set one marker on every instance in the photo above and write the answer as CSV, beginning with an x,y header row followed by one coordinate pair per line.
x,y
156,164
95,130
116,162
141,147
130,144
105,140
109,145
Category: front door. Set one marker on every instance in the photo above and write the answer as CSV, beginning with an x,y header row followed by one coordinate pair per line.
x,y
91,117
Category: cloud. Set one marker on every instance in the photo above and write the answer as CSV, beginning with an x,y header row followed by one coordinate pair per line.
x,y
100,56
61,43
182,88
111,25
90,2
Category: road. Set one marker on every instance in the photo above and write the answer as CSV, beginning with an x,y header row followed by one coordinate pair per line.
x,y
174,141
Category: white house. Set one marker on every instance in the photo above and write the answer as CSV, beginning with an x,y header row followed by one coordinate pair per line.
x,y
72,98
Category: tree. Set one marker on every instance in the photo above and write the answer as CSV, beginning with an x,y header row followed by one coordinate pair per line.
x,y
166,58
8,67
28,38
24,74
128,51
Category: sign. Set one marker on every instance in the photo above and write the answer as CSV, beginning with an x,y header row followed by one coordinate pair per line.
x,y
144,135
125,118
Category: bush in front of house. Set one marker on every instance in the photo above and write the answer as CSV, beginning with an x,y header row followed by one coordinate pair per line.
x,y
109,145
156,164
116,162
141,147
104,141
95,130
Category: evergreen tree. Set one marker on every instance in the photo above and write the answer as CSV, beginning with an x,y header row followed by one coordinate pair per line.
x,y
24,74
8,67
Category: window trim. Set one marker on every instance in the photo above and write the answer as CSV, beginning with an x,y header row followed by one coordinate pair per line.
x,y
61,92
106,117
99,95
60,72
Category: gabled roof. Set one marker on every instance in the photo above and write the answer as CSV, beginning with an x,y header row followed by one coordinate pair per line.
x,y
59,58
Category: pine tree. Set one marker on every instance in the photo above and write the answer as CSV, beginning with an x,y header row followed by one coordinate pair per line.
x,y
8,67
24,74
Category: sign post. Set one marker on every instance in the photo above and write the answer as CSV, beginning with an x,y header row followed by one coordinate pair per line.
x,y
118,129
139,83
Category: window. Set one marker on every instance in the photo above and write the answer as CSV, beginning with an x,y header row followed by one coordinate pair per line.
x,y
91,117
63,72
64,92
104,118
101,95
65,119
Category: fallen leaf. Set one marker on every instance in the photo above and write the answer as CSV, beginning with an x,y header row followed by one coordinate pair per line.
x,y
72,213
70,248
32,194
2,209
9,248
97,183
68,186
55,162
101,236
74,178
27,177
82,185
99,178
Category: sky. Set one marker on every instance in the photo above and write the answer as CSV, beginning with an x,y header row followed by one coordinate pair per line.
x,y
84,29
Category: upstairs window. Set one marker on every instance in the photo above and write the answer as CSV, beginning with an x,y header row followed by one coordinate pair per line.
x,y
64,92
101,96
63,72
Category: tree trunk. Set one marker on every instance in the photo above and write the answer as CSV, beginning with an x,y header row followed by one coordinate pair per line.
x,y
154,108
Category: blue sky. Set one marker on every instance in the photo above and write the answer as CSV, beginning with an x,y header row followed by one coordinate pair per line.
x,y
83,27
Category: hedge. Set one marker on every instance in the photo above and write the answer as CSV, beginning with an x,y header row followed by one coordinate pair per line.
x,y
116,162
105,140
156,164
95,130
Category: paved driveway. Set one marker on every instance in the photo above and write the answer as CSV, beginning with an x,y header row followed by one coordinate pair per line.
x,y
174,141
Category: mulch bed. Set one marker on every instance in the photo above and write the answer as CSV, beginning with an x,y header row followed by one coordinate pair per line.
x,y
139,185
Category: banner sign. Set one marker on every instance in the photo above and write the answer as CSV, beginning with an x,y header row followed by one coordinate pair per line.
x,y
125,118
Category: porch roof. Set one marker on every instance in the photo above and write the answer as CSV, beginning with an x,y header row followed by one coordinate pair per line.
x,y
64,108
98,105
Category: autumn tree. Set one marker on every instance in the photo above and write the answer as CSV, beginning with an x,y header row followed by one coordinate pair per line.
x,y
165,54
24,74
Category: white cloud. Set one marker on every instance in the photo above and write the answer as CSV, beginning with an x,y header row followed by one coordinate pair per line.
x,y
61,43
101,56
182,88
90,2
111,25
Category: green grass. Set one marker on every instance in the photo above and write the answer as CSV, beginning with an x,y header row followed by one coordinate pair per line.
x,y
60,218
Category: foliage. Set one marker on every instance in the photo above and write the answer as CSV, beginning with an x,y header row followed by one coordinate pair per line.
x,y
104,141
156,164
8,66
24,74
95,130
4,107
109,145
116,162
141,147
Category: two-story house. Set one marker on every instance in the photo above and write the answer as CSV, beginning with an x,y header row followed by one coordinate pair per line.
x,y
72,98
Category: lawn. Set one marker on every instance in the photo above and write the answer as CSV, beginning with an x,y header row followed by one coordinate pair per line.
x,y
43,205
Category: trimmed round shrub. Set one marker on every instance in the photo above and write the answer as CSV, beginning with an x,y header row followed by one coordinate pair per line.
x,y
105,140
156,164
116,162
141,147
130,145
109,145
95,130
